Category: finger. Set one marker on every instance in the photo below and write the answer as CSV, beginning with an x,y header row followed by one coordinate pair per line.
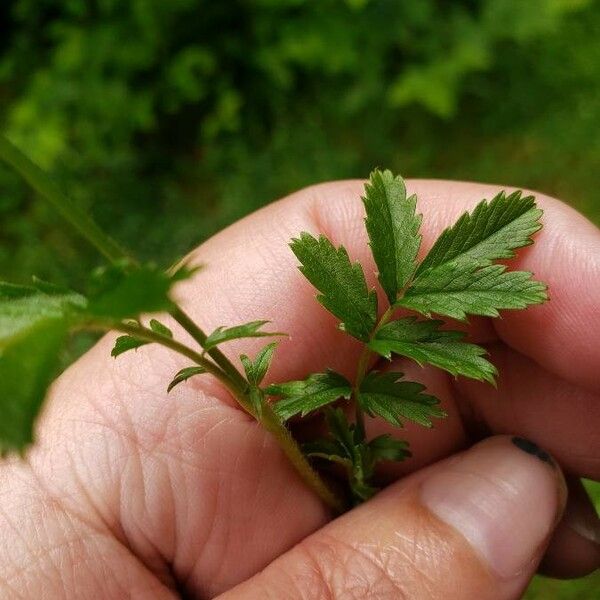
x,y
474,526
529,401
574,550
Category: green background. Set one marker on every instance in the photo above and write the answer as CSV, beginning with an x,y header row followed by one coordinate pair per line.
x,y
169,120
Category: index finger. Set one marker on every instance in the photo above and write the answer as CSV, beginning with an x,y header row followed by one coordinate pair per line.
x,y
251,273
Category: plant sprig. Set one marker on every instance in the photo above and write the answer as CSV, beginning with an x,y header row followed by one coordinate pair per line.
x,y
457,278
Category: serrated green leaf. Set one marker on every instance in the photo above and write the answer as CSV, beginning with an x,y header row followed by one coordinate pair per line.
x,y
247,330
342,286
29,358
185,374
124,343
393,228
341,430
256,369
457,277
384,395
424,342
307,395
386,447
459,290
118,293
158,327
491,232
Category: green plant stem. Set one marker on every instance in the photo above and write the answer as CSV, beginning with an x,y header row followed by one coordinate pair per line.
x,y
362,367
222,368
42,184
200,337
272,423
148,335
268,418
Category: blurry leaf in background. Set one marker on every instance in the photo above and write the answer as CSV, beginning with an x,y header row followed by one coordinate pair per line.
x,y
204,111
32,331
117,294
28,363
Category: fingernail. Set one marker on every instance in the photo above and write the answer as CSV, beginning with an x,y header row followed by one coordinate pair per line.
x,y
533,449
504,496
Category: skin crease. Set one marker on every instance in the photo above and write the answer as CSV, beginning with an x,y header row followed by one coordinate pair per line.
x,y
130,493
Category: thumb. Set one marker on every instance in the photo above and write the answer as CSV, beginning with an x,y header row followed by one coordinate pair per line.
x,y
472,526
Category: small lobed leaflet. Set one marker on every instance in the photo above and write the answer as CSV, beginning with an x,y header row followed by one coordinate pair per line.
x,y
459,290
247,330
124,343
341,283
314,392
257,369
424,342
492,231
185,374
384,394
393,228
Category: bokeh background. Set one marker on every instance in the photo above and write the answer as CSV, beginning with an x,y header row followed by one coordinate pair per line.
x,y
169,120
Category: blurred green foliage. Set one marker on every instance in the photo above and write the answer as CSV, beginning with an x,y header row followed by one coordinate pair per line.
x,y
169,120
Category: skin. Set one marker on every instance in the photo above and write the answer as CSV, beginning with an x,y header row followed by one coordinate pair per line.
x,y
130,493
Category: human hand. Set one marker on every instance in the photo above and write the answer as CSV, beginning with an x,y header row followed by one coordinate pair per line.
x,y
131,494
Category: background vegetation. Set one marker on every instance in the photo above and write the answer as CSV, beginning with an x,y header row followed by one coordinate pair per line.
x,y
169,120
